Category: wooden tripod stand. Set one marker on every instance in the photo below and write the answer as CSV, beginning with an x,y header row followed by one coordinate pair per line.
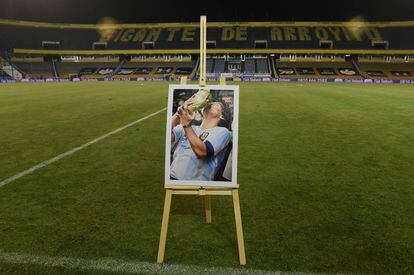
x,y
205,192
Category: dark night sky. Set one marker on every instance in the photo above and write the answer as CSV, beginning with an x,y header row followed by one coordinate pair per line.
x,y
137,11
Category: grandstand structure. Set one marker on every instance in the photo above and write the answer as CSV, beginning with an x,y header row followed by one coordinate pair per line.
x,y
250,51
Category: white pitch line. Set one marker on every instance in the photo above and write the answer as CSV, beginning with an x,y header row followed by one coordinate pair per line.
x,y
74,150
122,266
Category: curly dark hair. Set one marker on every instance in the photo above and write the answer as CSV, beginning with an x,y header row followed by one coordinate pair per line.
x,y
226,119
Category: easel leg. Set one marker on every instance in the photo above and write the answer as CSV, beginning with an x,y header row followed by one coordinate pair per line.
x,y
239,229
164,226
207,206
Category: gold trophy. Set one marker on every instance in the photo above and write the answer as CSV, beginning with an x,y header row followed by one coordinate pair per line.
x,y
201,99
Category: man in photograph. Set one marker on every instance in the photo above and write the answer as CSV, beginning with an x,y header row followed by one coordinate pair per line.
x,y
198,150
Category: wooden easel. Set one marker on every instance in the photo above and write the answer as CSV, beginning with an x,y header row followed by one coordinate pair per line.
x,y
205,192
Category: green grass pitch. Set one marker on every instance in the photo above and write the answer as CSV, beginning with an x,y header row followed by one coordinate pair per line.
x,y
326,174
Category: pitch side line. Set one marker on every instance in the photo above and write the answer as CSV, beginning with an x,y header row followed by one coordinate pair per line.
x,y
121,266
74,150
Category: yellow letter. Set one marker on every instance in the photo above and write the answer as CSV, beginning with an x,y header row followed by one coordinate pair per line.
x,y
140,35
336,33
290,33
227,34
171,33
188,34
304,33
127,35
276,34
373,34
118,35
153,35
321,33
241,33
346,33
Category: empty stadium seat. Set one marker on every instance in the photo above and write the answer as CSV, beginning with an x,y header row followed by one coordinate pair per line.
x,y
249,66
209,65
219,66
262,66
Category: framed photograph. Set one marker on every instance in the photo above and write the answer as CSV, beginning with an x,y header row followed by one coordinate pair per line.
x,y
202,136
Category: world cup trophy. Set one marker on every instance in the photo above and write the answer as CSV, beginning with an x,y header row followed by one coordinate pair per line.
x,y
200,99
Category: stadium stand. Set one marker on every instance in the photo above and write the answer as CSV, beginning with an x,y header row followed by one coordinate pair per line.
x,y
103,67
288,50
238,66
87,69
302,69
38,70
312,70
184,71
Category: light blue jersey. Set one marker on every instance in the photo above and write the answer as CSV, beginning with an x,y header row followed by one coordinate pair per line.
x,y
186,165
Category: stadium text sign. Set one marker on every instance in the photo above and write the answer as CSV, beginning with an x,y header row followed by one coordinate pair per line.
x,y
280,33
202,136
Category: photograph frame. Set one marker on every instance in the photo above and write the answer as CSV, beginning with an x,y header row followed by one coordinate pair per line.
x,y
168,182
